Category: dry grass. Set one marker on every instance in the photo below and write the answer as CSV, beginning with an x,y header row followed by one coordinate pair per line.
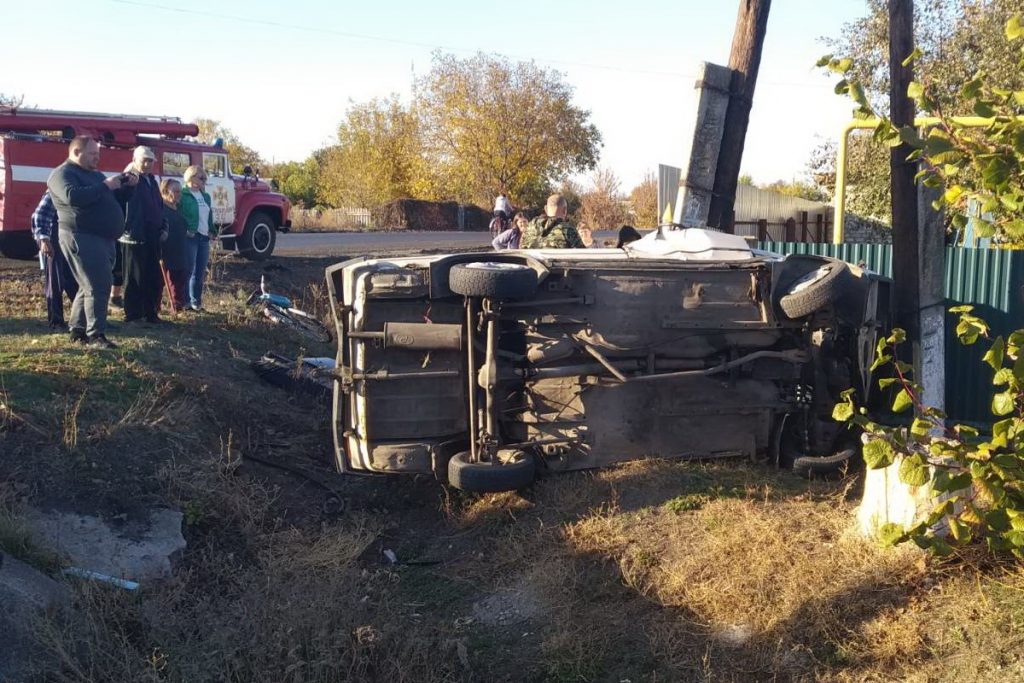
x,y
766,583
16,537
69,433
752,581
652,571
297,609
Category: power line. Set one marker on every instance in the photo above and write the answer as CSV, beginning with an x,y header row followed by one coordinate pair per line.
x,y
386,39
430,46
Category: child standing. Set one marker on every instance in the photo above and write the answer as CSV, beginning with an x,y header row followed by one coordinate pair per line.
x,y
174,253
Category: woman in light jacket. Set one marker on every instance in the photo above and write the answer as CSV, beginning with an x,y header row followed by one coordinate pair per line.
x,y
197,209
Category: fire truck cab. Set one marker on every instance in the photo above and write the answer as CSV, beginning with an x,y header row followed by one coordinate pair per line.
x,y
34,141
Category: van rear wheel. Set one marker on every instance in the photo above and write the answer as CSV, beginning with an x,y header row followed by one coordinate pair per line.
x,y
259,237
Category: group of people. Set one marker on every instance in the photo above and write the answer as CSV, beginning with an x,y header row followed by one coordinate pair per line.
x,y
100,234
550,230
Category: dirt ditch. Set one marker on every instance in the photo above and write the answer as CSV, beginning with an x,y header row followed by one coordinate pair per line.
x,y
650,571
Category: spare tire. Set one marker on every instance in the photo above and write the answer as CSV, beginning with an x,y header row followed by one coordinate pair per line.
x,y
815,290
516,472
495,280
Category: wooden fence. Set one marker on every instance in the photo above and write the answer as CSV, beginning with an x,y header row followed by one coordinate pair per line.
x,y
330,219
805,229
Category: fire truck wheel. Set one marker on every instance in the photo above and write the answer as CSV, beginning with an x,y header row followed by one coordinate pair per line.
x,y
258,239
19,245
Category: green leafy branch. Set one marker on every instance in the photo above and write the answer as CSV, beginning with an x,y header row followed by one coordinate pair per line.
x,y
979,168
977,481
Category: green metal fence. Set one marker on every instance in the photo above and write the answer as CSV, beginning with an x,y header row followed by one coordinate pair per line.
x,y
992,280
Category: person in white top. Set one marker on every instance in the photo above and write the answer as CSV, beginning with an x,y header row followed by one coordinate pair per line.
x,y
197,209
502,207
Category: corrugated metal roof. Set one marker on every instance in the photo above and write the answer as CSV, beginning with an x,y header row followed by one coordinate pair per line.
x,y
752,203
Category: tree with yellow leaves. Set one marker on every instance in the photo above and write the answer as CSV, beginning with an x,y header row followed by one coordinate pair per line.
x,y
491,125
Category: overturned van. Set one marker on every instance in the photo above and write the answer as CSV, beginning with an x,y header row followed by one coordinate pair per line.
x,y
486,369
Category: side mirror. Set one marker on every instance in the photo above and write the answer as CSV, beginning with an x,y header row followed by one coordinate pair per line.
x,y
247,171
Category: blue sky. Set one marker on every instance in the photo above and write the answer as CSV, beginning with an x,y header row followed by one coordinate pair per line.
x,y
281,74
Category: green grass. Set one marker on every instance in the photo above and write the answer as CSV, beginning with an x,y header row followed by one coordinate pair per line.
x,y
35,371
634,572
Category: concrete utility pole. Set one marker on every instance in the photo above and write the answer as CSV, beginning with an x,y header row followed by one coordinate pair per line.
x,y
918,236
918,252
905,246
697,181
744,60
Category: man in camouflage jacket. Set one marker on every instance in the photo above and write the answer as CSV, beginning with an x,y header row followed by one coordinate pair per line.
x,y
551,230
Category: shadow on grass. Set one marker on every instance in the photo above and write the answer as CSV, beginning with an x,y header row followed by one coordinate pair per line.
x,y
627,563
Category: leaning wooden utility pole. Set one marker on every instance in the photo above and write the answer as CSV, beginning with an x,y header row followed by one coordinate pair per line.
x,y
744,60
906,262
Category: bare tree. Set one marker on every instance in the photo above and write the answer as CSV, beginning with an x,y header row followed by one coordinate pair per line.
x,y
644,198
603,205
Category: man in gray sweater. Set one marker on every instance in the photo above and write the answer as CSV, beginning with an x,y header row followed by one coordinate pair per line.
x,y
90,221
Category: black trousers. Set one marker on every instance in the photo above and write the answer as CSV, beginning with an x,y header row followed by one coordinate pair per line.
x,y
59,281
143,281
119,265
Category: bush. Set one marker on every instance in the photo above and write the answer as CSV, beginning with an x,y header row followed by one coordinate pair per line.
x,y
977,480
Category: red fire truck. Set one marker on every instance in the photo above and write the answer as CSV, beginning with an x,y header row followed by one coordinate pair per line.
x,y
34,141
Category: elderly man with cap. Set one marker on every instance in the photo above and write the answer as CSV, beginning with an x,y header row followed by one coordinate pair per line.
x,y
143,232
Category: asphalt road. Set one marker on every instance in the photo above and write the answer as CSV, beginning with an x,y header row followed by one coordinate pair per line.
x,y
369,243
331,243
338,243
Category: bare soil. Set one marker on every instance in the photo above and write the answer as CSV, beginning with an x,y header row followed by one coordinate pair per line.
x,y
650,571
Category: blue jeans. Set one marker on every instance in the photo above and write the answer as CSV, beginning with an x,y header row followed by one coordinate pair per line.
x,y
197,250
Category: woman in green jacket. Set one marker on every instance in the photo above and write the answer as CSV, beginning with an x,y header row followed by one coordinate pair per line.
x,y
197,209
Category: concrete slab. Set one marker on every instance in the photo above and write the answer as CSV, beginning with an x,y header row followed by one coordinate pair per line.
x,y
888,500
130,549
694,198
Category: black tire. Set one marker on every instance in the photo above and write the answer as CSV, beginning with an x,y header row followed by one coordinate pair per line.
x,y
300,321
19,246
815,290
283,372
259,237
495,280
483,477
807,465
